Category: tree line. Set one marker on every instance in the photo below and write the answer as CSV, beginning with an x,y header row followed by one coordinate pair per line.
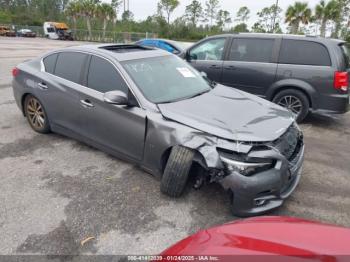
x,y
201,17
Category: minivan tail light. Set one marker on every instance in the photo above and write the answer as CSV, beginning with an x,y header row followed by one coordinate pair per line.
x,y
341,81
15,72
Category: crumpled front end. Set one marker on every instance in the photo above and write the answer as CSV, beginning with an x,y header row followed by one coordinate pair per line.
x,y
259,174
262,179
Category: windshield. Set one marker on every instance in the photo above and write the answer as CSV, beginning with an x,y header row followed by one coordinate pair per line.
x,y
166,79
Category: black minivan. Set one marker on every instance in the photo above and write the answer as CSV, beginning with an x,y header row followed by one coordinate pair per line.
x,y
300,73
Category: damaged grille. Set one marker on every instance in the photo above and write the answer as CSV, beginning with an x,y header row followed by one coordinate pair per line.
x,y
289,143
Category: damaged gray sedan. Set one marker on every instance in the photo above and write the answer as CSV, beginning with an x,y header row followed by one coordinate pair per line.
x,y
153,109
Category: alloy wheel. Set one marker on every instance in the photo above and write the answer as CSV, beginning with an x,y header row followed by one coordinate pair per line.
x,y
292,103
35,113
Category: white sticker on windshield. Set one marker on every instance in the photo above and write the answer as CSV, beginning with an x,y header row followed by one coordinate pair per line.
x,y
185,72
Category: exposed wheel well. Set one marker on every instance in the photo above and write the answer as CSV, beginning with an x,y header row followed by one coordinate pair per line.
x,y
292,87
164,159
198,159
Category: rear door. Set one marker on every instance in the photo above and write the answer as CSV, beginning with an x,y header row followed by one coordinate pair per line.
x,y
251,64
115,127
60,88
207,56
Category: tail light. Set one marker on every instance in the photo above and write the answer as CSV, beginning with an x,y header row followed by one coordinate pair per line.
x,y
341,81
15,72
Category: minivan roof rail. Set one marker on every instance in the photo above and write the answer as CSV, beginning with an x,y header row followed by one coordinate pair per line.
x,y
273,34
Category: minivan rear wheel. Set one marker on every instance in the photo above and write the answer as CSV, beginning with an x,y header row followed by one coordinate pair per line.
x,y
295,101
177,171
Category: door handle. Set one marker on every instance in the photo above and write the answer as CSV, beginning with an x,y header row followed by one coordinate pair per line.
x,y
230,68
42,86
215,67
86,103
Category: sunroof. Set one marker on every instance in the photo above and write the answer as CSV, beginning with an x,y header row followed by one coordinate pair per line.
x,y
125,48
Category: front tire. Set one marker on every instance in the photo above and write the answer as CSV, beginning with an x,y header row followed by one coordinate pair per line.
x,y
295,101
36,115
177,171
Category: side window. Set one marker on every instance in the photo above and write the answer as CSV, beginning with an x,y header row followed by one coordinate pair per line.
x,y
301,52
212,49
69,65
103,77
50,63
252,50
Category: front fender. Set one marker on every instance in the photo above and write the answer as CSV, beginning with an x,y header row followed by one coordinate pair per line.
x,y
163,134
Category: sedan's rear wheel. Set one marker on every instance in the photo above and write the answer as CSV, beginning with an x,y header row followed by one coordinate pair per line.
x,y
36,115
177,171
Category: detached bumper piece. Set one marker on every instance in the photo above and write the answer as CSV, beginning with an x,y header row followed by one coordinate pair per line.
x,y
267,189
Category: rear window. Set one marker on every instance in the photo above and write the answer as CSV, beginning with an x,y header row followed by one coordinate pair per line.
x,y
345,48
69,65
50,63
300,52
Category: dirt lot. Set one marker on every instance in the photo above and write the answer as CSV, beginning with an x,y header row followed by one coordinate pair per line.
x,y
56,192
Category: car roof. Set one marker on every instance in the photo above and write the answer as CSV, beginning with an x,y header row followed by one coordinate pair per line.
x,y
120,52
283,36
181,46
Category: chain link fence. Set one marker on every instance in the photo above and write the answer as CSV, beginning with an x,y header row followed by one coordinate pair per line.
x,y
96,35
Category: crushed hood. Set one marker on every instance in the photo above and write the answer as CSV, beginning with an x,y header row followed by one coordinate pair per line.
x,y
231,114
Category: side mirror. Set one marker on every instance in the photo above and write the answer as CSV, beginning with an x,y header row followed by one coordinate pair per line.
x,y
188,55
116,98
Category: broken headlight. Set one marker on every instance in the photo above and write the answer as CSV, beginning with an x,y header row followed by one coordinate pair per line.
x,y
245,168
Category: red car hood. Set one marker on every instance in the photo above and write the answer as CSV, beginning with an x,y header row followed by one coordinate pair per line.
x,y
304,240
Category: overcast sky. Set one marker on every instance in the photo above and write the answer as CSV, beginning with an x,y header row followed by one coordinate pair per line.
x,y
144,8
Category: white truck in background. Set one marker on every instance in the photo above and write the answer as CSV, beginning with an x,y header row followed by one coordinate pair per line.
x,y
57,31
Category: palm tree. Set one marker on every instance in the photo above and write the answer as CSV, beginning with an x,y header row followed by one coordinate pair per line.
x,y
106,12
88,10
325,12
296,14
73,10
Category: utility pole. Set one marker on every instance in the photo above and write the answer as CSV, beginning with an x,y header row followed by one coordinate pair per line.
x,y
274,17
126,5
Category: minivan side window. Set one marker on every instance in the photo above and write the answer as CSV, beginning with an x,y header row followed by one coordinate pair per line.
x,y
69,65
301,52
50,63
212,49
252,50
103,76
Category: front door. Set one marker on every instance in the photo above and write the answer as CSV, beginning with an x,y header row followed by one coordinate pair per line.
x,y
208,56
118,128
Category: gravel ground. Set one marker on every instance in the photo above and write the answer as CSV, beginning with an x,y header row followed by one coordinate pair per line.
x,y
56,192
